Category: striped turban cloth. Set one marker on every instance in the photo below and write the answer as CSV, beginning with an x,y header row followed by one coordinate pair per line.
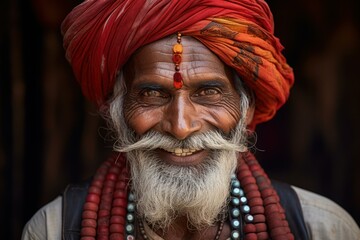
x,y
101,35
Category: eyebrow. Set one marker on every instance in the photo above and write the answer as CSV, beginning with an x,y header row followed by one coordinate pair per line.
x,y
148,85
210,83
217,82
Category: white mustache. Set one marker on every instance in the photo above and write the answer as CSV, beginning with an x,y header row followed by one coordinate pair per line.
x,y
211,140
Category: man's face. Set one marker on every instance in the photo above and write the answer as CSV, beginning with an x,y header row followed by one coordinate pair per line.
x,y
207,100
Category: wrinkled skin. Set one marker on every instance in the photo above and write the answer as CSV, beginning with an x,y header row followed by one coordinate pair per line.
x,y
208,99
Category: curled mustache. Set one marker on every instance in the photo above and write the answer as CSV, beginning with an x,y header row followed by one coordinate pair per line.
x,y
212,140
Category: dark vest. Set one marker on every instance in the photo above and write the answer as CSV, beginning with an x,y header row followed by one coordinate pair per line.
x,y
75,194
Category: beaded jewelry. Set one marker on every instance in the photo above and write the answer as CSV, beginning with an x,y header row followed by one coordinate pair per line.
x,y
130,218
177,58
239,210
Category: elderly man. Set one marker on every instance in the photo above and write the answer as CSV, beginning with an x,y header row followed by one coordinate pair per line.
x,y
183,85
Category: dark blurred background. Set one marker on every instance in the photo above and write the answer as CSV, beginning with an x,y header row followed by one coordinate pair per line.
x,y
50,136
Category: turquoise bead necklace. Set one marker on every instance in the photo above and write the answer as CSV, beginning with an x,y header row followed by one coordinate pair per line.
x,y
239,213
239,210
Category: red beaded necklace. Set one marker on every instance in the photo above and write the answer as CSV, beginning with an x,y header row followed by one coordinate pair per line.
x,y
104,211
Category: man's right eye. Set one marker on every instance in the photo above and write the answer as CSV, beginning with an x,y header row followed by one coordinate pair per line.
x,y
152,93
153,97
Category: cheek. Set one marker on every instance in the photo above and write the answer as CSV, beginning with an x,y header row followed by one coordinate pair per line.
x,y
226,115
139,119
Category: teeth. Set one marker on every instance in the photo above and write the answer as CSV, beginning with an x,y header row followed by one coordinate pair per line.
x,y
182,152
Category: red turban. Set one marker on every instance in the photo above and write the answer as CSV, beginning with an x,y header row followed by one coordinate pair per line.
x,y
101,35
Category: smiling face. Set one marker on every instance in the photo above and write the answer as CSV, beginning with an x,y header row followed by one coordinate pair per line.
x,y
207,101
181,145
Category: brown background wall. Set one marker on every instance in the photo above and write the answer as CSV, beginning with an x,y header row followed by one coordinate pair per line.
x,y
50,136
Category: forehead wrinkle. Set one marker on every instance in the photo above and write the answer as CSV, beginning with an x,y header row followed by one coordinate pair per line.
x,y
197,61
201,66
204,75
191,46
161,72
200,56
166,55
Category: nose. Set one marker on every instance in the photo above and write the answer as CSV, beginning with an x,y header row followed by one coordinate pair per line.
x,y
181,118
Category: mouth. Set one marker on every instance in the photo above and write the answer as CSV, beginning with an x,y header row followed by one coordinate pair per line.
x,y
181,152
183,156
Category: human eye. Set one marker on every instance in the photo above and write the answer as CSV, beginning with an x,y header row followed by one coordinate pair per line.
x,y
207,95
207,92
153,96
152,93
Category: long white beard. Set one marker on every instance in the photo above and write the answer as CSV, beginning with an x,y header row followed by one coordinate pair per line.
x,y
164,191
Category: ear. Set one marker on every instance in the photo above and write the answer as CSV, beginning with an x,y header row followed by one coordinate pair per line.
x,y
250,114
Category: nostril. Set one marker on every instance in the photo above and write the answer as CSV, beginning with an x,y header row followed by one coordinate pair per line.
x,y
196,124
184,129
181,119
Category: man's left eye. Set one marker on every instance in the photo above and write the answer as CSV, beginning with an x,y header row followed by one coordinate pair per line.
x,y
207,92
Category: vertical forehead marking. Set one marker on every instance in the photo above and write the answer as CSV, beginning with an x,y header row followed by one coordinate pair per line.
x,y
177,58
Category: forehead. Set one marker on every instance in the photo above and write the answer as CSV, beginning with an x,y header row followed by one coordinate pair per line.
x,y
155,60
193,50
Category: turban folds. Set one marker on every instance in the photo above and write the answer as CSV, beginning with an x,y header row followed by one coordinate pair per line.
x,y
101,35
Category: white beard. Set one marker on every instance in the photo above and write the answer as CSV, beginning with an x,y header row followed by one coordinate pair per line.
x,y
165,191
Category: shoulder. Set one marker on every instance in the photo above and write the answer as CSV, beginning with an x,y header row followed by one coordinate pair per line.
x,y
46,223
325,219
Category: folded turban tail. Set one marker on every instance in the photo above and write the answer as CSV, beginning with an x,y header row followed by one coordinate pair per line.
x,y
101,35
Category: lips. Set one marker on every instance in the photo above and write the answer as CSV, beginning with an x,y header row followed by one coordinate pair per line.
x,y
182,156
181,152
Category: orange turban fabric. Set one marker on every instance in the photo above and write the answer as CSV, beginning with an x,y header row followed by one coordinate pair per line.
x,y
101,35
